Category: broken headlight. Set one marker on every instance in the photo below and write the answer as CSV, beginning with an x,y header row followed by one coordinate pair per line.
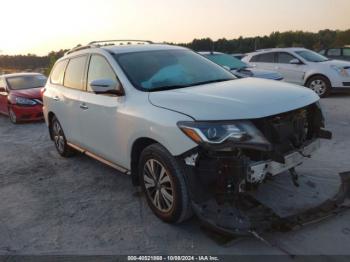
x,y
223,134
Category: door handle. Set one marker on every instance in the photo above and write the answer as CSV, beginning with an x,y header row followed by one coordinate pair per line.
x,y
84,106
56,98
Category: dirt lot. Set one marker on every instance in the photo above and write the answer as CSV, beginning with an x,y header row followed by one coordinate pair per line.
x,y
51,205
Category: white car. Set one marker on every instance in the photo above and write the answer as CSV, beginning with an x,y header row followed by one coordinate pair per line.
x,y
304,67
181,126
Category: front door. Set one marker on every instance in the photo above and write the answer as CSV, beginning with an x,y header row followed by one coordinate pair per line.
x,y
99,114
292,73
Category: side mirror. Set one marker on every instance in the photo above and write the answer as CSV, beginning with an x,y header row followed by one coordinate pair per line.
x,y
105,86
295,62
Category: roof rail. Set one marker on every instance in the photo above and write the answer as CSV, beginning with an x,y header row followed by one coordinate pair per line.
x,y
97,44
121,42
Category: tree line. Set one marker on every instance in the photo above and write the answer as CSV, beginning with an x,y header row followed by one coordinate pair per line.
x,y
316,41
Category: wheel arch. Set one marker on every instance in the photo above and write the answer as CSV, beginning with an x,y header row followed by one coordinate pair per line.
x,y
137,147
317,74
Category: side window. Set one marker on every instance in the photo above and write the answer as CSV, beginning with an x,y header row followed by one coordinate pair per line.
x,y
322,52
284,58
58,73
346,52
74,75
264,58
99,68
334,52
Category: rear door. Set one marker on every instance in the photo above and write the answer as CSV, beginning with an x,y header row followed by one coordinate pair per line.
x,y
100,114
264,61
3,96
292,73
68,98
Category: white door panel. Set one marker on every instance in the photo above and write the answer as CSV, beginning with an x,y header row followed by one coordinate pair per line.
x,y
98,117
291,73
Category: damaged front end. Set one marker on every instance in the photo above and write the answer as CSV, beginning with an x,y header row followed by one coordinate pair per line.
x,y
235,158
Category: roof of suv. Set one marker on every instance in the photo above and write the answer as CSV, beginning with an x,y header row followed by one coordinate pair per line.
x,y
291,49
118,49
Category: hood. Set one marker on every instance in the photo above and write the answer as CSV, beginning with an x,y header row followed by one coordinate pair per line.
x,y
32,93
338,63
246,98
259,73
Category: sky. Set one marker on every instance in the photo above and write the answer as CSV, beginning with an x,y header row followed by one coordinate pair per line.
x,y
40,26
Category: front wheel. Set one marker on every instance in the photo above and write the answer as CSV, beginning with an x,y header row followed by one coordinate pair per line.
x,y
162,180
12,116
320,85
60,139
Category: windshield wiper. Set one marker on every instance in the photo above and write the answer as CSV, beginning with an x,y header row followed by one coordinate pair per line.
x,y
164,88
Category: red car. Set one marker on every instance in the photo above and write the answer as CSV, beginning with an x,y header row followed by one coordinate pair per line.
x,y
20,96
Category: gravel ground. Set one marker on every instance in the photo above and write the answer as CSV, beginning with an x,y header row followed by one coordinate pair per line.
x,y
52,205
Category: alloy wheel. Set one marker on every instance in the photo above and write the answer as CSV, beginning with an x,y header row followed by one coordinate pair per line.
x,y
159,186
318,86
12,116
58,136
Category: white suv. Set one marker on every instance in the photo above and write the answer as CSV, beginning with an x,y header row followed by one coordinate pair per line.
x,y
304,67
184,128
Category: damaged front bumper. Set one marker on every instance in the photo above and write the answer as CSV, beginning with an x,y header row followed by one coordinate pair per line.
x,y
227,181
251,215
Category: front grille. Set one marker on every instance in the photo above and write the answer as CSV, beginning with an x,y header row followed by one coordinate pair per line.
x,y
346,83
287,131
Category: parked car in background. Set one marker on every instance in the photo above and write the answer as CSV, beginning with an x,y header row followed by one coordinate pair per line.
x,y
304,67
192,135
20,96
238,67
238,56
342,53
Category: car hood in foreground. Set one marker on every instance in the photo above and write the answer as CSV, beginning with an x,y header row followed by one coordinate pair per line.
x,y
259,73
247,98
31,93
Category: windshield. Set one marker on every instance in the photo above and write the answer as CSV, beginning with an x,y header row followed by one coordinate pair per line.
x,y
169,69
226,60
26,82
312,56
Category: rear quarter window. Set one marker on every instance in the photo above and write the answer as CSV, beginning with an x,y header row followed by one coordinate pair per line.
x,y
58,72
74,75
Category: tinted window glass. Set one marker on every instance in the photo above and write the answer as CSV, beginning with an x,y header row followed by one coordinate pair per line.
x,y
284,58
264,58
99,68
74,75
26,82
58,72
312,56
346,52
170,69
334,52
322,52
226,60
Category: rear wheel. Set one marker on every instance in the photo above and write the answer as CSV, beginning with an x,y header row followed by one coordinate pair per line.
x,y
320,85
163,182
12,116
60,139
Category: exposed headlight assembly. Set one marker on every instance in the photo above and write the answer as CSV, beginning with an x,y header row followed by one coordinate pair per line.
x,y
25,101
340,70
225,134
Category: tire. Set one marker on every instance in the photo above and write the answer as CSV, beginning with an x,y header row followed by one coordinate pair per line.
x,y
166,179
12,116
320,85
60,139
